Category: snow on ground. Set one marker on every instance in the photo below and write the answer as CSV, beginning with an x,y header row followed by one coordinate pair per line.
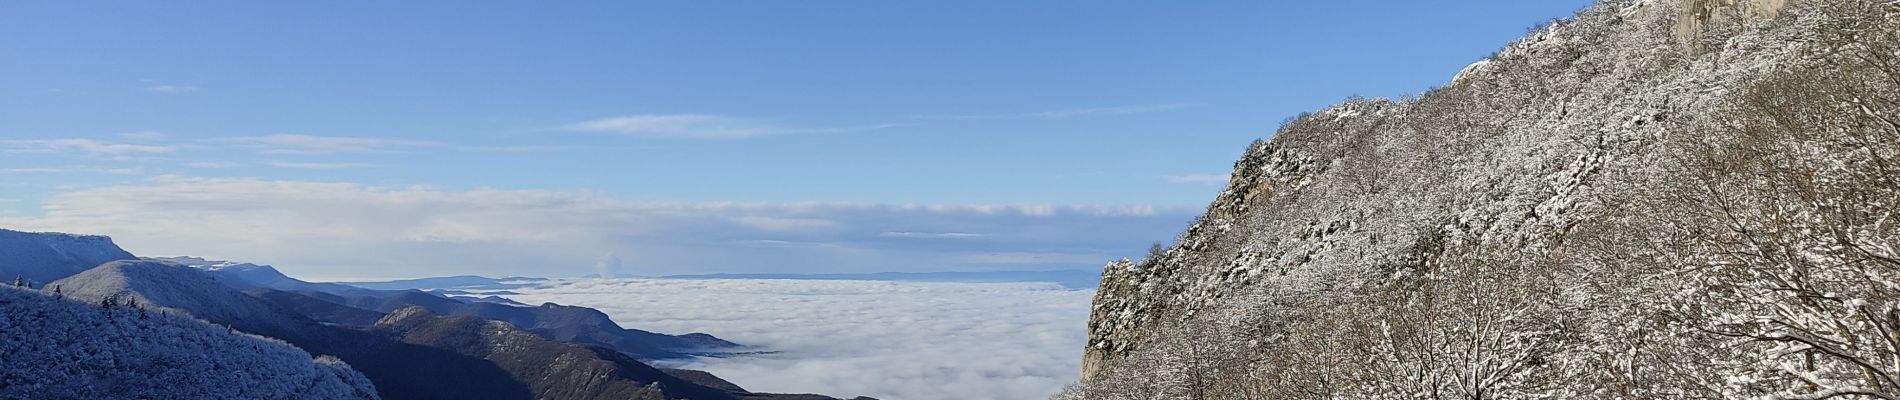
x,y
890,340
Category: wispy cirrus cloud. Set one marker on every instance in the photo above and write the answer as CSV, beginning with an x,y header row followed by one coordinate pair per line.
x,y
172,88
211,164
72,169
513,149
1065,113
308,144
154,143
317,165
142,135
703,126
295,144
80,145
932,235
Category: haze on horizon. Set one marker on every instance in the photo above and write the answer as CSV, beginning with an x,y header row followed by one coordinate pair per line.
x,y
435,138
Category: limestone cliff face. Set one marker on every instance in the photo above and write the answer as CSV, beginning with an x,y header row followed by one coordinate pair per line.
x,y
39,258
1530,150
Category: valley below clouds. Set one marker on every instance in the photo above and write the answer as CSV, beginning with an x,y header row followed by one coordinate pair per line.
x,y
890,340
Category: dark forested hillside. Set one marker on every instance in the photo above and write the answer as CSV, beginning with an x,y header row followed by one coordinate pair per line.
x,y
557,370
1654,199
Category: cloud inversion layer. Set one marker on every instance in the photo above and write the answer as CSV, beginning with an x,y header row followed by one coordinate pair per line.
x,y
892,340
351,230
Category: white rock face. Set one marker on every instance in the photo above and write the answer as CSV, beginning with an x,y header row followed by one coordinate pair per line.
x,y
58,348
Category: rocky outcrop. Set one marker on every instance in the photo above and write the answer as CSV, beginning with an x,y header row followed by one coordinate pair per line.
x,y
1573,176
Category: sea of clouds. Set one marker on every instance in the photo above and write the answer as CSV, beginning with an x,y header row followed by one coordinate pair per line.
x,y
350,231
890,340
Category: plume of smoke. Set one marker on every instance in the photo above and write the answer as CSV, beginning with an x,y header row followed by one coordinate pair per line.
x,y
608,265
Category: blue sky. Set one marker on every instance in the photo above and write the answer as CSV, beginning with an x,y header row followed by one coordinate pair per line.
x,y
1125,114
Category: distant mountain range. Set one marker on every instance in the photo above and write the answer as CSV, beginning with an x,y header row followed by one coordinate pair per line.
x,y
554,321
463,284
459,281
410,344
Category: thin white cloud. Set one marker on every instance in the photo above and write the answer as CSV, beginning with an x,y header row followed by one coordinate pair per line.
x,y
889,340
1067,113
80,145
1202,179
316,165
1030,258
680,125
353,229
142,135
294,144
34,170
932,235
172,89
307,144
1099,111
514,149
211,164
702,126
72,169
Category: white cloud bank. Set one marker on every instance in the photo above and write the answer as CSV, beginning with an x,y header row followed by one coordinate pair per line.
x,y
890,340
336,230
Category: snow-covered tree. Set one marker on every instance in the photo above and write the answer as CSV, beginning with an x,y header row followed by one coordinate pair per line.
x,y
57,348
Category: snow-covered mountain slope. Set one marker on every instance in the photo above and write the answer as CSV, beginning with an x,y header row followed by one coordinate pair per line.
x,y
246,276
399,370
45,257
314,316
175,287
58,348
1655,199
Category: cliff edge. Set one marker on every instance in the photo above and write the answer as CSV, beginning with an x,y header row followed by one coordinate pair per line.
x,y
1653,199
